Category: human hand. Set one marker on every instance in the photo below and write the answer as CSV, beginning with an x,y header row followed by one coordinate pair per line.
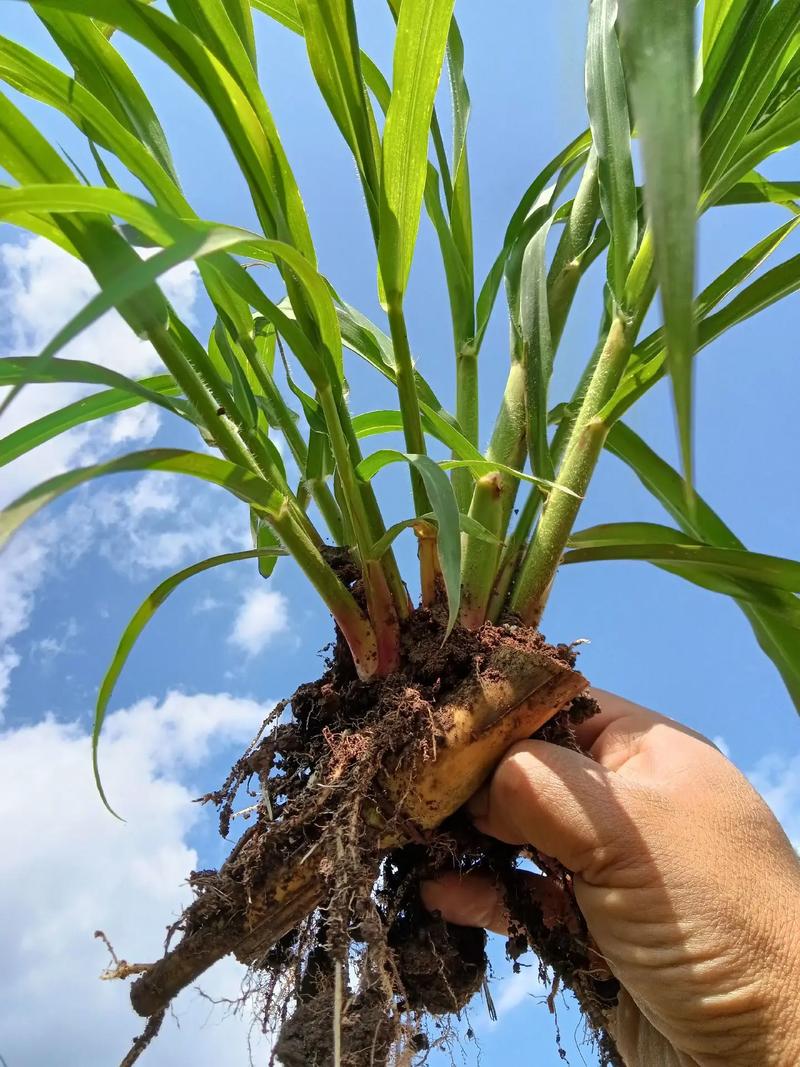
x,y
688,884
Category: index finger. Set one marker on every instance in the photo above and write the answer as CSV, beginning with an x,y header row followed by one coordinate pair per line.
x,y
621,725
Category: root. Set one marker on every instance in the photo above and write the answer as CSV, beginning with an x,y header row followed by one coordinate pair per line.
x,y
354,799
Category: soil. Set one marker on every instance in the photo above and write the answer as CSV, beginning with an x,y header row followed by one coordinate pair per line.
x,y
352,968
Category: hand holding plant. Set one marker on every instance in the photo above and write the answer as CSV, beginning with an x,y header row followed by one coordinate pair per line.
x,y
656,827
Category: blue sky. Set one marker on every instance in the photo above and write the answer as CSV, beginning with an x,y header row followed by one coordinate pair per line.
x,y
228,644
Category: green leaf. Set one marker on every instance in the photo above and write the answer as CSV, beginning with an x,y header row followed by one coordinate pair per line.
x,y
369,342
241,112
520,225
98,406
755,189
370,465
459,282
658,48
133,631
538,353
329,27
772,286
781,131
375,422
265,541
132,282
30,74
461,200
422,31
283,11
662,544
487,466
103,73
728,58
241,16
648,364
776,41
607,101
445,508
469,526
237,480
715,12
773,615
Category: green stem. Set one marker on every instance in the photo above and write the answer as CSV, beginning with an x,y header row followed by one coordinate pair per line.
x,y
467,416
512,553
379,598
567,267
407,392
194,388
352,621
516,544
323,497
374,516
479,569
493,500
351,490
582,453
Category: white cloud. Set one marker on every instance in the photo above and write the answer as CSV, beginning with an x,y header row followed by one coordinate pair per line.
x,y
48,648
156,523
41,288
69,868
137,424
9,661
263,615
777,778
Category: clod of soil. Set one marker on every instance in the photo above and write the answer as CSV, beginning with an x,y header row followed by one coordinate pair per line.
x,y
353,781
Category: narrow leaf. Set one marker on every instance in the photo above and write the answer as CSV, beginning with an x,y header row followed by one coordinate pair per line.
x,y
607,101
658,47
237,480
662,544
133,630
422,30
98,406
445,508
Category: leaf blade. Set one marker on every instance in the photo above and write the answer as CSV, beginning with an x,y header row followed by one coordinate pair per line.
x,y
422,30
658,48
130,635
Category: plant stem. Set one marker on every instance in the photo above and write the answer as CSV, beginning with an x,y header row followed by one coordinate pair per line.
x,y
478,573
354,624
493,499
407,392
374,516
582,452
467,416
239,442
412,428
567,267
512,553
323,497
379,599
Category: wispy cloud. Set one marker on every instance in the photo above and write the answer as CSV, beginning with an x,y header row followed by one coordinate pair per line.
x,y
777,778
70,868
41,288
264,613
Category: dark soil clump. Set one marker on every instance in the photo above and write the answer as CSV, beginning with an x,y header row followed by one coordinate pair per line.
x,y
320,895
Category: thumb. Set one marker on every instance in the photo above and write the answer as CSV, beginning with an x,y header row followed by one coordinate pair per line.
x,y
564,804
